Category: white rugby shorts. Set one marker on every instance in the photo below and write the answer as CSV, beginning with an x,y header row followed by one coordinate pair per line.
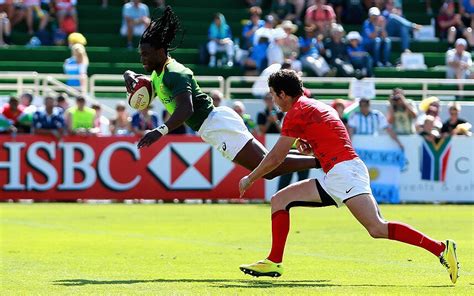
x,y
225,130
346,180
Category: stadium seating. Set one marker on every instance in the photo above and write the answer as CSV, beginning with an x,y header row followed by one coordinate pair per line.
x,y
108,55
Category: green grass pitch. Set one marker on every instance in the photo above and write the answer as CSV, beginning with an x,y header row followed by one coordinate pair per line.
x,y
168,249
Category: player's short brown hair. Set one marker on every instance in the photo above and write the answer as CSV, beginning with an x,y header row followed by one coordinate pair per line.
x,y
287,81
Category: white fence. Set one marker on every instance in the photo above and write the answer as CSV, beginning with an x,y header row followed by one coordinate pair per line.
x,y
94,88
423,91
42,84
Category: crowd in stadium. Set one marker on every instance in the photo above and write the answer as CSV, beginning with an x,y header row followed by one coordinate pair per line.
x,y
323,48
266,44
58,118
309,34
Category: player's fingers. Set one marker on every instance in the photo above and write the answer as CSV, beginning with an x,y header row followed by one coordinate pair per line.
x,y
141,142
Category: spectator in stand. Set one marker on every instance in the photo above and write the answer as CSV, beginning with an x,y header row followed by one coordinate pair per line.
x,y
5,28
239,108
290,45
265,33
75,38
451,25
217,97
321,16
466,9
354,12
135,19
26,100
26,119
375,38
120,125
80,118
251,27
359,57
275,48
66,11
13,111
144,120
299,10
62,101
338,7
458,62
77,65
7,7
261,40
269,120
310,56
428,131
34,12
370,122
283,10
429,106
6,125
101,123
340,105
397,25
220,40
48,120
401,114
335,52
455,125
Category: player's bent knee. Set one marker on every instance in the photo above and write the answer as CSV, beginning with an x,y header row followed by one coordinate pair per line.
x,y
278,202
379,230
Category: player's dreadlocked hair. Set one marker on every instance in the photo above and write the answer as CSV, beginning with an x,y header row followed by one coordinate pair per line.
x,y
161,32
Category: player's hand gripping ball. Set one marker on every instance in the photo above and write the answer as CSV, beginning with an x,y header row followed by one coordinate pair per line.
x,y
139,90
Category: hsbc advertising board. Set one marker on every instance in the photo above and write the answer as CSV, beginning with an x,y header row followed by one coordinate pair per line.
x,y
176,167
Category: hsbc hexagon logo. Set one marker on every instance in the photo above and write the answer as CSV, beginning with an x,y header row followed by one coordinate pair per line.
x,y
190,166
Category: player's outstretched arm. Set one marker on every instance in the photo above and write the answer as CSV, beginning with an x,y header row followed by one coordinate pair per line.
x,y
271,161
184,110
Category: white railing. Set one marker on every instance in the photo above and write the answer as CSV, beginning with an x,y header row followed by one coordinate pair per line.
x,y
23,81
423,91
44,84
94,88
38,83
52,84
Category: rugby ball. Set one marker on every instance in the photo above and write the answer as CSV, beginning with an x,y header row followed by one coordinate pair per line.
x,y
141,95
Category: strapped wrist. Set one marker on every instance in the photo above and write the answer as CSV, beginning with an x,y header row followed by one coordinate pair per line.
x,y
162,129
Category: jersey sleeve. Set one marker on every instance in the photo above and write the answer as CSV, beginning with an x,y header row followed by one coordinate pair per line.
x,y
179,83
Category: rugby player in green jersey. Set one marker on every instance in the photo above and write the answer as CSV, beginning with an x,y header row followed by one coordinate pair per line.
x,y
174,85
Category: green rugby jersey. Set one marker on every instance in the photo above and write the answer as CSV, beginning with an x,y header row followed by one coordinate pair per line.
x,y
176,79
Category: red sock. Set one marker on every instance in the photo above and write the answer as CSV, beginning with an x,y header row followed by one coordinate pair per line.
x,y
404,233
280,229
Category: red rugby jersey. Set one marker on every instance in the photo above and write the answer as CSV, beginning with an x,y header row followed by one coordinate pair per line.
x,y
319,125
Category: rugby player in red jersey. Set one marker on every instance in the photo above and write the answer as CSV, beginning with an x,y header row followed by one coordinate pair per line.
x,y
346,180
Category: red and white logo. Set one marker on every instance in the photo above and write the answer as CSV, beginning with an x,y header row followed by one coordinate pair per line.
x,y
190,166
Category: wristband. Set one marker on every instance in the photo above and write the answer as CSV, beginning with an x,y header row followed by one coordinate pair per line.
x,y
162,129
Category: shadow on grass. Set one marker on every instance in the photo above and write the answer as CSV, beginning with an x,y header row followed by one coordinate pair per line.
x,y
218,283
235,283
